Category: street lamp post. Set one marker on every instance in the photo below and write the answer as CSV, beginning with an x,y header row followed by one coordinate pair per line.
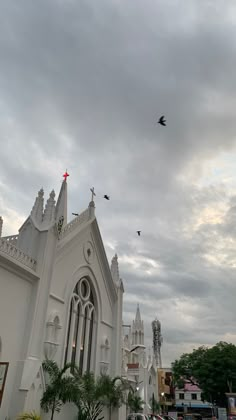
x,y
164,401
139,346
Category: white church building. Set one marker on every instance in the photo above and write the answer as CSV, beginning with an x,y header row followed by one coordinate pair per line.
x,y
139,368
59,298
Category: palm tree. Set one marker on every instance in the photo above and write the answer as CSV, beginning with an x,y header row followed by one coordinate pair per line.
x,y
29,416
89,400
61,388
135,402
112,391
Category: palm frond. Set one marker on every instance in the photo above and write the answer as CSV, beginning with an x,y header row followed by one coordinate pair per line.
x,y
29,416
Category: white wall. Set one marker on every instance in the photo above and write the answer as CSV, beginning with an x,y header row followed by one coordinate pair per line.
x,y
188,397
70,266
15,297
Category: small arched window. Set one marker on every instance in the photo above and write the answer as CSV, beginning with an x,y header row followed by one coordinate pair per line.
x,y
80,333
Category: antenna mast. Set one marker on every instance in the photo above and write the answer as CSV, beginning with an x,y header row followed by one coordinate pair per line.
x,y
157,341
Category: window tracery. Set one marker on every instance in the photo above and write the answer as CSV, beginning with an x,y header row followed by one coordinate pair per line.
x,y
80,333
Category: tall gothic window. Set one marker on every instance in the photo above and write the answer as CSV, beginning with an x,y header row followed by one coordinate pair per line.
x,y
80,334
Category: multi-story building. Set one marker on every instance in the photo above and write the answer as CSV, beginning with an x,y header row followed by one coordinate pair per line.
x,y
189,399
166,393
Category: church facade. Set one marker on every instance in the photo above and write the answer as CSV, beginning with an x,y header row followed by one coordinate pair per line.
x,y
59,299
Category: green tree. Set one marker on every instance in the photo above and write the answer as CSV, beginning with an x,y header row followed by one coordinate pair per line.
x,y
112,391
88,400
62,387
212,369
135,402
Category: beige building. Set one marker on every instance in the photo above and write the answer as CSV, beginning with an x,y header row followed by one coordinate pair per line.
x,y
166,396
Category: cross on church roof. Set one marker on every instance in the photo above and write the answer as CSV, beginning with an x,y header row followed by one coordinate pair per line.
x,y
93,193
65,175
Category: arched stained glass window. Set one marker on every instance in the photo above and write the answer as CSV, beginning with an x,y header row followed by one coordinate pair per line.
x,y
80,333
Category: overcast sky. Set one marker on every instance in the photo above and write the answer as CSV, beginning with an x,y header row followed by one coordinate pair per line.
x,y
82,85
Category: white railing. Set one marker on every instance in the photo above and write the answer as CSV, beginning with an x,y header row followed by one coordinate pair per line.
x,y
83,217
12,239
8,248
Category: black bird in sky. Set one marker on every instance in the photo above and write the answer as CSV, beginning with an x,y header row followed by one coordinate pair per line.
x,y
162,120
106,197
138,232
75,214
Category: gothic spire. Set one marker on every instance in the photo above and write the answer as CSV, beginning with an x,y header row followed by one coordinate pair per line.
x,y
138,328
37,210
61,206
138,316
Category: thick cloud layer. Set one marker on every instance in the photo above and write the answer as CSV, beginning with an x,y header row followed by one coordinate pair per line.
x,y
82,86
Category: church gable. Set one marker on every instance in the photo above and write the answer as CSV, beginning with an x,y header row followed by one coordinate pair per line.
x,y
80,248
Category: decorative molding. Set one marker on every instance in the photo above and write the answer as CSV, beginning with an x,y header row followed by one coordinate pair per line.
x,y
8,248
50,349
88,251
52,330
103,262
57,298
83,217
11,239
104,367
107,324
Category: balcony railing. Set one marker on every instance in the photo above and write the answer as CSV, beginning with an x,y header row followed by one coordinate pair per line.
x,y
8,248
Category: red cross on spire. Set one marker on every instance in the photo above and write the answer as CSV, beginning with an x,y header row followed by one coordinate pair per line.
x,y
65,175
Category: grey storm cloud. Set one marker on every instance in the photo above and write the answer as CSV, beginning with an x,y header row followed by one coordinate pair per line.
x,y
82,86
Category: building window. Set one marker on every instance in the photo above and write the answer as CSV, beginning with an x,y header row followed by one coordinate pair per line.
x,y
80,332
181,396
194,396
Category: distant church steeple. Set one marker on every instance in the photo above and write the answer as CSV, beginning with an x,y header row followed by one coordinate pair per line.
x,y
138,329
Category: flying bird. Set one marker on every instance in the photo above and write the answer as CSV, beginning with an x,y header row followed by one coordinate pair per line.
x,y
106,197
138,232
162,120
75,214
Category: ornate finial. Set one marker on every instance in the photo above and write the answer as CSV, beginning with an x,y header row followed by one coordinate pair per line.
x,y
1,223
115,269
60,224
52,194
37,210
65,175
49,213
